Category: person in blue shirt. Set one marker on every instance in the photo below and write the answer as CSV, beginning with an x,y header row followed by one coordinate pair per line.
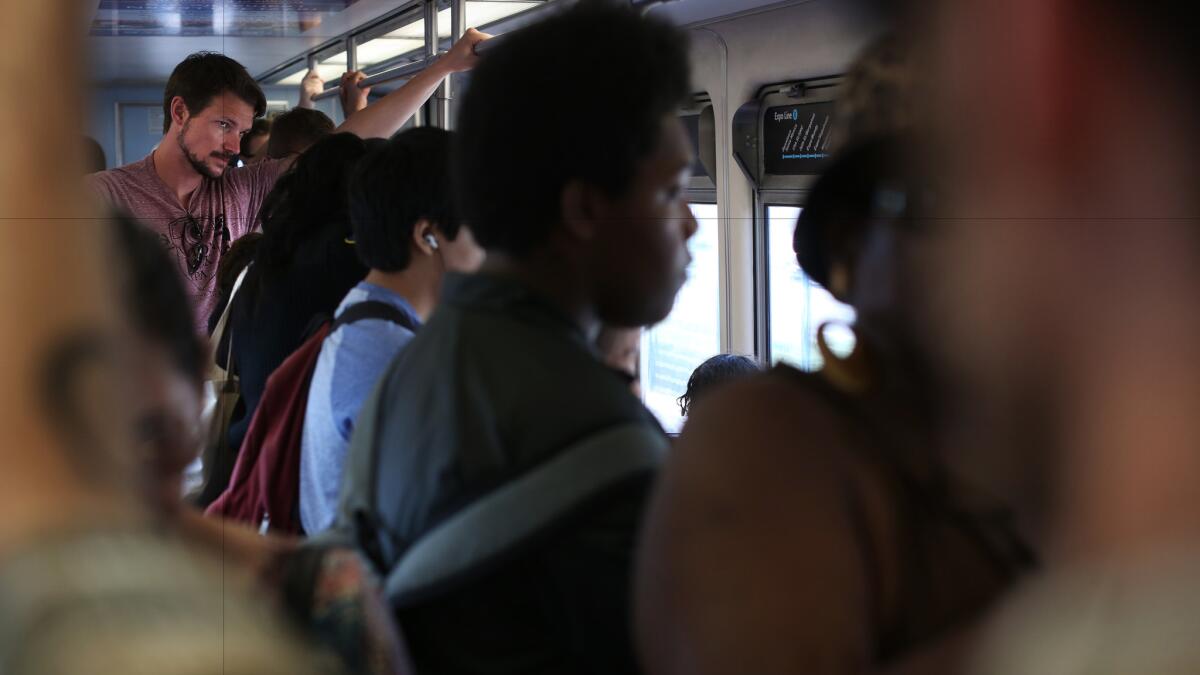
x,y
407,232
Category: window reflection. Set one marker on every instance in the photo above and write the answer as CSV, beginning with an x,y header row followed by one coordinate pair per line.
x,y
692,333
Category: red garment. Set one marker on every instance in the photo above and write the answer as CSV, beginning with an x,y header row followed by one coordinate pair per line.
x,y
265,487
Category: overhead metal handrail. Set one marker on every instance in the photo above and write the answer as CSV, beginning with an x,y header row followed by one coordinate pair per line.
x,y
408,70
328,93
403,72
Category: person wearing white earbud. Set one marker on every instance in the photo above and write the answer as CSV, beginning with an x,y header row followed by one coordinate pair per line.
x,y
408,233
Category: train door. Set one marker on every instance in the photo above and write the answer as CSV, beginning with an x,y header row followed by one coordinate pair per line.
x,y
139,128
786,136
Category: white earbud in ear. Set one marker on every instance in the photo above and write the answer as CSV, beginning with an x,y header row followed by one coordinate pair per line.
x,y
432,241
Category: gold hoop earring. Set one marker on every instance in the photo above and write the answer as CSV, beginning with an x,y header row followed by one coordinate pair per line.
x,y
852,374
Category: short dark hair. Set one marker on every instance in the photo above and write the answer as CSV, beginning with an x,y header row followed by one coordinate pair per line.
x,y
203,76
153,296
580,95
296,130
406,180
720,369
261,127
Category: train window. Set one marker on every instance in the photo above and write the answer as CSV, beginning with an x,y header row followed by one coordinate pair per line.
x,y
692,333
401,45
330,68
799,305
481,13
292,77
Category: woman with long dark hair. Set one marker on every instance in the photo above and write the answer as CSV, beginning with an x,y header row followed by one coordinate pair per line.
x,y
303,266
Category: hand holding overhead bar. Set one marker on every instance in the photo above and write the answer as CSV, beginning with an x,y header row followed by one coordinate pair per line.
x,y
456,60
487,45
352,93
386,116
311,87
463,55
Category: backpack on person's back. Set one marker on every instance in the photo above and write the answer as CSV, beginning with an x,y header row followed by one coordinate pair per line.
x,y
264,488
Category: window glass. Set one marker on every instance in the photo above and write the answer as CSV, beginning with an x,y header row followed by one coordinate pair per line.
x,y
480,13
293,77
407,41
799,305
692,333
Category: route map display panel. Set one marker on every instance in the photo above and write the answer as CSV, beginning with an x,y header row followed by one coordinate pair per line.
x,y
796,138
203,18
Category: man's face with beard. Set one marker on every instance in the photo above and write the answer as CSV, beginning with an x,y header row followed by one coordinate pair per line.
x,y
211,137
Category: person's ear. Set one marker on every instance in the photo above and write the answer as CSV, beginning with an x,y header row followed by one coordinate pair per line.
x,y
423,238
179,112
582,209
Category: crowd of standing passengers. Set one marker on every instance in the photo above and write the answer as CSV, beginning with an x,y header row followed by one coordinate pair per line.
x,y
424,452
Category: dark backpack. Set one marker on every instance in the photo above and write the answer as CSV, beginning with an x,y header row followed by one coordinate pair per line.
x,y
472,540
264,490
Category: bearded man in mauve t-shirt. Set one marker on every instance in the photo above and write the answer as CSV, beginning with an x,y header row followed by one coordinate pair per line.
x,y
186,191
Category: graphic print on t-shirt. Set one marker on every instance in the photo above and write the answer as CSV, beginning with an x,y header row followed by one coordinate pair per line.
x,y
193,239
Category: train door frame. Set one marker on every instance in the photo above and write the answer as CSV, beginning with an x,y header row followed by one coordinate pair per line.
x,y
768,189
119,127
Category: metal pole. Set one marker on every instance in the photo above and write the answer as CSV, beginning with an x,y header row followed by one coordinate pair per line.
x,y
458,21
402,73
351,55
328,93
526,18
119,135
431,50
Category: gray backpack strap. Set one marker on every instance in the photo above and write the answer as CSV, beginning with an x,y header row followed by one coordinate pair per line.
x,y
519,510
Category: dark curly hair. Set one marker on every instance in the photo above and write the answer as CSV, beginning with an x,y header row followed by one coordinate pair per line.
x,y
310,200
718,370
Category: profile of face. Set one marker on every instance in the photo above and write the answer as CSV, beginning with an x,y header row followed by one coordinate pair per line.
x,y
212,137
256,149
638,254
167,406
888,277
